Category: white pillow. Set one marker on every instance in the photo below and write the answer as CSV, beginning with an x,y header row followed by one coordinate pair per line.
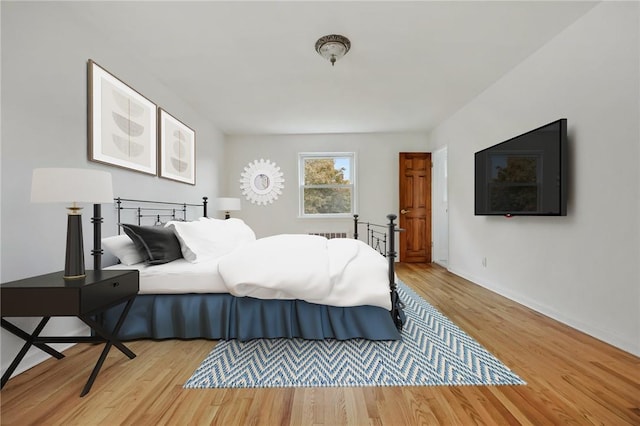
x,y
206,238
123,248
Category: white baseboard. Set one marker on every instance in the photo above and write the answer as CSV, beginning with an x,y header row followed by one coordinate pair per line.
x,y
607,337
442,263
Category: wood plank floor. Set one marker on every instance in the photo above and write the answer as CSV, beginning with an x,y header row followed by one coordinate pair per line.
x,y
571,379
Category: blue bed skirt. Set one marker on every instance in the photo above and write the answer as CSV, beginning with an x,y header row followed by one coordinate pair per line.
x,y
223,316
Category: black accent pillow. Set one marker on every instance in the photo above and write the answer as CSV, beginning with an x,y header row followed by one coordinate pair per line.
x,y
156,244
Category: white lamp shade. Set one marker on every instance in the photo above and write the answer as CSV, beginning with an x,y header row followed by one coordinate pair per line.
x,y
61,185
228,204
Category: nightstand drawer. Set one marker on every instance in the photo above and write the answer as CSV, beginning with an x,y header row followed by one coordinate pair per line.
x,y
109,291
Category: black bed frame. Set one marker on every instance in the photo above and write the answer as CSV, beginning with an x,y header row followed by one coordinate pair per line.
x,y
380,237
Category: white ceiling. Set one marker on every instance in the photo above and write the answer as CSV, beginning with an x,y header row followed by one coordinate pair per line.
x,y
251,67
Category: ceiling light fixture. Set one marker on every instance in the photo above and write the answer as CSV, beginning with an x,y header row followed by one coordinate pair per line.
x,y
333,47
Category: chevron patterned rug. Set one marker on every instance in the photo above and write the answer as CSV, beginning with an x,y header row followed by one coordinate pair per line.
x,y
433,352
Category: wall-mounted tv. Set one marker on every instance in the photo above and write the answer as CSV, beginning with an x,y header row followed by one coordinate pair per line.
x,y
525,175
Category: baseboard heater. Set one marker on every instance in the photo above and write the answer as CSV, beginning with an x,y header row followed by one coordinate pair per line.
x,y
330,235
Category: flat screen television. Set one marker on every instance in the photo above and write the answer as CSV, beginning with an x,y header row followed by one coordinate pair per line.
x,y
525,175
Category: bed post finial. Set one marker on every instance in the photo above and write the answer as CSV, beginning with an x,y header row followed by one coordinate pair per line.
x,y
204,205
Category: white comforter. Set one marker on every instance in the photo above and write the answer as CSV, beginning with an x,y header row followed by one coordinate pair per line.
x,y
337,272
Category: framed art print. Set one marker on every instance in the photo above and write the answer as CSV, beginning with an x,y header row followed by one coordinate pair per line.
x,y
122,123
177,149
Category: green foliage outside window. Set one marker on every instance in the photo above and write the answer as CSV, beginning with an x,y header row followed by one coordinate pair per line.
x,y
327,187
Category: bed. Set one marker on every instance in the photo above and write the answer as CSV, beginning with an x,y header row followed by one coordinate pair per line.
x,y
233,286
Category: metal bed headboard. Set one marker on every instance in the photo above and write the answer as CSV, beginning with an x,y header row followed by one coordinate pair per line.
x,y
156,209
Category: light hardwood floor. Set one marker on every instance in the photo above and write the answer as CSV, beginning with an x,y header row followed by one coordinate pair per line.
x,y
571,379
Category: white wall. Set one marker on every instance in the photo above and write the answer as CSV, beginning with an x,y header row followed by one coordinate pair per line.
x,y
581,269
377,176
44,124
440,207
0,151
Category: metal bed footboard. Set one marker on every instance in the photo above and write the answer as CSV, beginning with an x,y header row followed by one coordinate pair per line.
x,y
383,239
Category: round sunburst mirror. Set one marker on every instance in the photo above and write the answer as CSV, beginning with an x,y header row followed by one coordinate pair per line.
x,y
261,182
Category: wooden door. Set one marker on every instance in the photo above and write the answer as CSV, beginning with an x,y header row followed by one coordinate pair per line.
x,y
415,207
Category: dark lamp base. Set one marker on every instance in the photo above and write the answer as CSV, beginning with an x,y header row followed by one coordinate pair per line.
x,y
74,259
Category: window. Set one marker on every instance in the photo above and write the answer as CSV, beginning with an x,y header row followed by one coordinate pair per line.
x,y
327,184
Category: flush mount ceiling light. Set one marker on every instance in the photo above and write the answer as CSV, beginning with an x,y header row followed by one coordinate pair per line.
x,y
333,47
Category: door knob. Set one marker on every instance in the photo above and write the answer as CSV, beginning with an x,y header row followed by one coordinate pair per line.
x,y
403,211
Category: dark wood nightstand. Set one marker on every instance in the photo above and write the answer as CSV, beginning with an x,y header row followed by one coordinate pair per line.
x,y
51,295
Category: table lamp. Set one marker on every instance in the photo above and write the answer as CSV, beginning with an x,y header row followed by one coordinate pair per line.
x,y
227,205
62,185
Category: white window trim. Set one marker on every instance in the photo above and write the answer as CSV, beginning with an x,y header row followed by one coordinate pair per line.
x,y
354,186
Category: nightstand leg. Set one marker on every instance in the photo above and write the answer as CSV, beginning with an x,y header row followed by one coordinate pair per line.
x,y
110,340
25,336
96,369
112,337
28,343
